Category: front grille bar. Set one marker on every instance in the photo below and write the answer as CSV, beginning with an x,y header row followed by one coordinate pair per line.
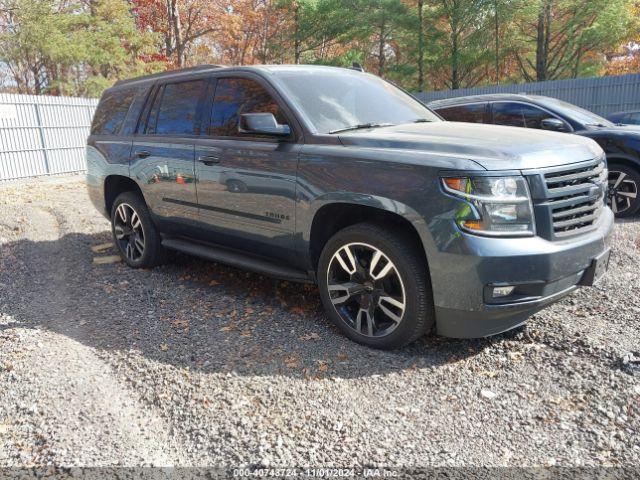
x,y
585,174
565,201
574,211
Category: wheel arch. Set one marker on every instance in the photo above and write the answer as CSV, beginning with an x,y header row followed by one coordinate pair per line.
x,y
623,159
337,214
114,185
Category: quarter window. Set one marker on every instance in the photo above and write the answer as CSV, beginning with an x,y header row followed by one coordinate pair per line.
x,y
518,115
112,111
464,113
175,109
235,96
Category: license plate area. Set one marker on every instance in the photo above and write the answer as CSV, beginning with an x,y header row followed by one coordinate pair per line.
x,y
597,269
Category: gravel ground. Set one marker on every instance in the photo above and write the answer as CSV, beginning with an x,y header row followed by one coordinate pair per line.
x,y
195,363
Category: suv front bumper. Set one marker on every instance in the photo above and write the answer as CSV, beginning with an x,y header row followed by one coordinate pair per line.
x,y
542,271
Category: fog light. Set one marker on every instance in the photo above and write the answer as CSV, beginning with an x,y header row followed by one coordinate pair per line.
x,y
502,291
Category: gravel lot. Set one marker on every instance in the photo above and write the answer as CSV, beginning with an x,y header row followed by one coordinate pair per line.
x,y
195,363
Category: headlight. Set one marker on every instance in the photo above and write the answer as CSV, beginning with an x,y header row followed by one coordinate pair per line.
x,y
500,206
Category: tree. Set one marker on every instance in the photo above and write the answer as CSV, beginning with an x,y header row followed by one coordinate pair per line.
x,y
180,23
314,26
71,47
626,58
565,38
384,24
465,33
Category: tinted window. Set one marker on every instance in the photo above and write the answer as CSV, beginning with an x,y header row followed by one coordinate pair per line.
x,y
464,113
633,118
518,115
235,96
111,111
572,112
175,109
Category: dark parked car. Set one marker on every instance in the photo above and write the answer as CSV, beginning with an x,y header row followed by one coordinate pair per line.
x,y
621,143
625,118
407,223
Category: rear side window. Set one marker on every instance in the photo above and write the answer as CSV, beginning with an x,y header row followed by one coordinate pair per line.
x,y
175,110
111,111
464,113
235,96
518,115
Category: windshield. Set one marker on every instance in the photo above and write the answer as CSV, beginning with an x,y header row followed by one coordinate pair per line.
x,y
577,114
336,99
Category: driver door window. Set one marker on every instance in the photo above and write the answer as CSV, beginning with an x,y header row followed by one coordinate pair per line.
x,y
518,115
235,96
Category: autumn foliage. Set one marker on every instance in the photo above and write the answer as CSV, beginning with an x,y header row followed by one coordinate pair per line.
x,y
78,47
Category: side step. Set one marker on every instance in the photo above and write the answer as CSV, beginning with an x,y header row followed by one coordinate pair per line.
x,y
237,259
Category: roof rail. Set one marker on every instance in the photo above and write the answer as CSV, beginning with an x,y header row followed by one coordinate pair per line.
x,y
167,73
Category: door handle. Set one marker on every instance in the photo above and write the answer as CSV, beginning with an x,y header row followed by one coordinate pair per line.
x,y
209,159
143,154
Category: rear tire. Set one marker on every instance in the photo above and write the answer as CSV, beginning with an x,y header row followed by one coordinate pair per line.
x,y
134,233
375,286
624,190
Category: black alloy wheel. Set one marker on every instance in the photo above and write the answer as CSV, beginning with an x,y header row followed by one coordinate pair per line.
x,y
623,196
134,232
129,232
366,289
375,286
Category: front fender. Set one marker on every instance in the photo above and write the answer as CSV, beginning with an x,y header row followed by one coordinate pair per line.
x,y
307,213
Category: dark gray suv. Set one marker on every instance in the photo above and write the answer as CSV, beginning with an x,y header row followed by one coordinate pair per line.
x,y
407,223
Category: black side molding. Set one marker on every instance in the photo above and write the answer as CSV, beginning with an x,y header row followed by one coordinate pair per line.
x,y
238,259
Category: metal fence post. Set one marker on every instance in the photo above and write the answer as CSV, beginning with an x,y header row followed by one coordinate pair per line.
x,y
42,138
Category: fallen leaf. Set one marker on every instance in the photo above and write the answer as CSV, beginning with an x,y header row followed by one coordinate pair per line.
x,y
296,310
213,283
310,336
515,355
342,357
323,366
180,323
291,361
164,347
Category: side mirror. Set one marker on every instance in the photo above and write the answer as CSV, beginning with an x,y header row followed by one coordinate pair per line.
x,y
553,124
262,124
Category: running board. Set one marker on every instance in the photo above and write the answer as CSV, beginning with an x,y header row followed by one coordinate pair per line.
x,y
237,259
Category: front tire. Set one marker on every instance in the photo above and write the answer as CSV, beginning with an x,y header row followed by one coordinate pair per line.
x,y
624,186
134,233
374,285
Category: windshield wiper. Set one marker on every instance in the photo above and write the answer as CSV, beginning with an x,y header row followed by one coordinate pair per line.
x,y
601,125
422,120
362,126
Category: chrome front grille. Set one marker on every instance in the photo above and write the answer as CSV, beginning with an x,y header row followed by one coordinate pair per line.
x,y
569,200
566,181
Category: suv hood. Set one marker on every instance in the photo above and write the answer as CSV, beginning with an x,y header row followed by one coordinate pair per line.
x,y
493,147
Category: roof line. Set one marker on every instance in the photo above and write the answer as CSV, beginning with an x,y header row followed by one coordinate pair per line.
x,y
169,73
